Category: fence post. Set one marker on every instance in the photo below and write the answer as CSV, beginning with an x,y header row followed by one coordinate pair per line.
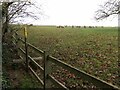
x,y
16,42
16,35
26,48
44,69
47,71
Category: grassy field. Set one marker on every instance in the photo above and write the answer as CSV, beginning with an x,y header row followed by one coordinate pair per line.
x,y
94,50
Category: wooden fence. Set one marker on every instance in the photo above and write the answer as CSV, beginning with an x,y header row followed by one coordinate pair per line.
x,y
47,68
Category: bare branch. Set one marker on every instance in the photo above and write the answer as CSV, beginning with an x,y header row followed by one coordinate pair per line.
x,y
111,7
20,10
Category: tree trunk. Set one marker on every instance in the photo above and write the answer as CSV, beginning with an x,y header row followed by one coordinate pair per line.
x,y
5,15
5,21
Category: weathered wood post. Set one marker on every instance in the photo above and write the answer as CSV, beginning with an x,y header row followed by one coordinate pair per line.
x,y
47,71
26,47
16,46
44,69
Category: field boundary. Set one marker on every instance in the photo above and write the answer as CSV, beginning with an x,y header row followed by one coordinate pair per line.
x,y
47,67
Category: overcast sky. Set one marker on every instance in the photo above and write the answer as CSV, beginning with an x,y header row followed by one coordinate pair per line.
x,y
71,12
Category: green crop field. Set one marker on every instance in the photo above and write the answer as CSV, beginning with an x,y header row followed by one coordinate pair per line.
x,y
93,50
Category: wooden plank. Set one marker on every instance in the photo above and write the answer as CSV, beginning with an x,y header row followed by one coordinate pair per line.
x,y
14,37
35,48
13,43
18,60
96,81
32,59
37,58
22,60
56,82
36,75
21,57
22,50
35,63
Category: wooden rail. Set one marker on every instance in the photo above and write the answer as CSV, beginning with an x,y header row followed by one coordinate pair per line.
x,y
97,82
56,82
47,69
36,76
30,45
32,60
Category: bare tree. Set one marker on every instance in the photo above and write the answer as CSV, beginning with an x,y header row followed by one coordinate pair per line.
x,y
13,10
111,7
5,14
